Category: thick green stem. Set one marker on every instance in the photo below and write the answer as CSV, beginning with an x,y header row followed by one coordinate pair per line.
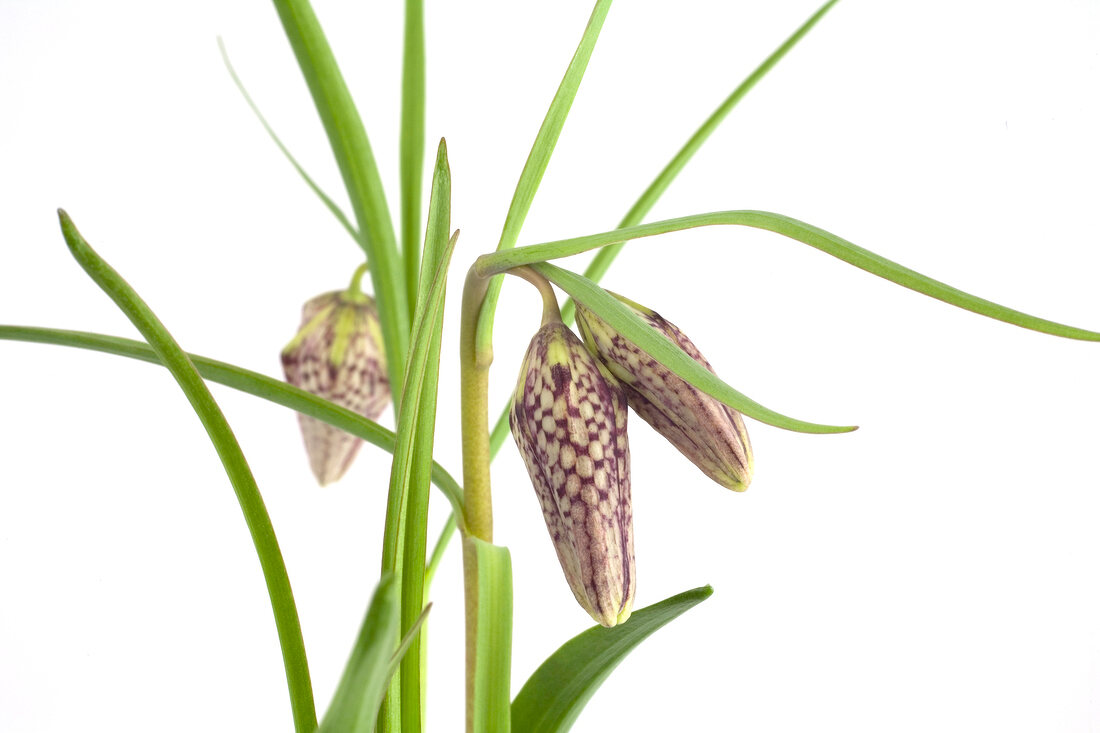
x,y
487,569
475,359
475,363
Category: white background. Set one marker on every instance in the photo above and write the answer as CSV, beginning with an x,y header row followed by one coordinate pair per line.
x,y
936,570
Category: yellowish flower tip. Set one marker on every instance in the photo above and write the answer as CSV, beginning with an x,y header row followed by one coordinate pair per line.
x,y
337,355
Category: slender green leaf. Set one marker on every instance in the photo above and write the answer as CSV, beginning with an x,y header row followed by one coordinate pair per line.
x,y
412,143
441,543
407,640
603,259
539,157
660,347
244,380
439,223
354,156
599,265
555,694
232,458
355,704
488,708
799,231
325,198
416,430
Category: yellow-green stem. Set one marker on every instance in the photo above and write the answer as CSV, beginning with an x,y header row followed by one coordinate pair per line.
x,y
475,359
550,311
475,363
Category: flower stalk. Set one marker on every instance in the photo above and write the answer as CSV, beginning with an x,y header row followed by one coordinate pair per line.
x,y
474,359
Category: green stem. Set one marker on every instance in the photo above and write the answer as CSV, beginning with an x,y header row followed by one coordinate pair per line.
x,y
474,360
484,677
550,311
355,287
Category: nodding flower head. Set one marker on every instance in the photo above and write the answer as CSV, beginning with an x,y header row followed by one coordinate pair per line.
x,y
337,354
568,418
711,434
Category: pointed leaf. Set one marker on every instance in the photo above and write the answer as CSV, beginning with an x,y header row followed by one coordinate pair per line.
x,y
603,259
599,265
355,703
405,543
626,322
244,380
539,156
352,150
407,640
800,231
555,694
325,198
232,458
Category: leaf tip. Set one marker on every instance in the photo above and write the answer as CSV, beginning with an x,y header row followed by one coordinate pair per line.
x,y
69,230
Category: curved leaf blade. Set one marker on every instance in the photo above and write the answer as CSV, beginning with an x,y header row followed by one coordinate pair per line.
x,y
350,146
603,259
799,231
599,265
232,457
623,320
243,380
555,694
539,157
331,205
358,697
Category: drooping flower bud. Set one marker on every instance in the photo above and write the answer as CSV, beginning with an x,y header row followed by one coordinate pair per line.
x,y
711,434
337,354
568,418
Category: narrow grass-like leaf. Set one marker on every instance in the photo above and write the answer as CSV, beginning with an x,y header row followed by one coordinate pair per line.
x,y
354,156
355,704
232,458
599,265
539,157
488,708
407,640
439,223
799,231
625,321
555,694
325,198
422,376
439,550
412,144
244,380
